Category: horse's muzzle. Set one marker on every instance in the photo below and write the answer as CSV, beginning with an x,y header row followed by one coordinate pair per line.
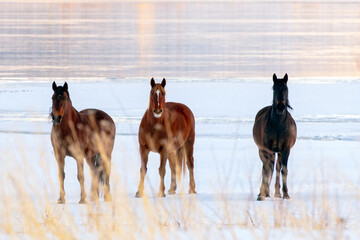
x,y
157,114
56,120
280,108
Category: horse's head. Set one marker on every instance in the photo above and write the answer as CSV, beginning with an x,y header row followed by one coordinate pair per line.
x,y
59,99
157,98
280,99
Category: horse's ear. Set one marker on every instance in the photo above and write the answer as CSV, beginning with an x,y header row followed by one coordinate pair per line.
x,y
152,82
274,78
65,87
285,78
54,86
163,82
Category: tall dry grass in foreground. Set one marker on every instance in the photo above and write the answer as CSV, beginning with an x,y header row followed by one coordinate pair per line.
x,y
28,210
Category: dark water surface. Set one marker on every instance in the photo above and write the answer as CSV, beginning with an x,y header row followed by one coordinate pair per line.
x,y
204,40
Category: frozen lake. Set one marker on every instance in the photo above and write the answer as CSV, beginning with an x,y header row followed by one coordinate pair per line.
x,y
202,40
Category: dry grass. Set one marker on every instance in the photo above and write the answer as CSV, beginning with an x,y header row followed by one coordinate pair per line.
x,y
29,210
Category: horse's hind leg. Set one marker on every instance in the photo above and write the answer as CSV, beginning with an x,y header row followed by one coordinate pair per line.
x,y
284,173
162,172
189,149
94,178
172,163
268,168
107,166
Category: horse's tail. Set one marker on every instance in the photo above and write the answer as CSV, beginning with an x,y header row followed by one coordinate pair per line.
x,y
100,170
180,163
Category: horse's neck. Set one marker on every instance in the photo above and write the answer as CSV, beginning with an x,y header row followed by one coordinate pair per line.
x,y
277,120
71,113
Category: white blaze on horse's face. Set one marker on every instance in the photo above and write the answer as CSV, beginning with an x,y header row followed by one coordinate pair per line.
x,y
158,115
158,97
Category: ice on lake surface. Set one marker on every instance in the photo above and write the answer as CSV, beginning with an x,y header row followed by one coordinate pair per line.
x,y
202,40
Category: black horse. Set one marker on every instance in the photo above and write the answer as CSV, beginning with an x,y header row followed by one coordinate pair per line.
x,y
274,132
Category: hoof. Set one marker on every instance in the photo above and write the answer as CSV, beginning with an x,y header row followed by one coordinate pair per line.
x,y
107,197
286,196
94,198
260,198
171,191
277,195
82,201
139,194
192,191
61,201
161,194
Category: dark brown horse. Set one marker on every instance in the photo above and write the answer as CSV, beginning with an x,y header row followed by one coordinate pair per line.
x,y
168,129
87,134
275,132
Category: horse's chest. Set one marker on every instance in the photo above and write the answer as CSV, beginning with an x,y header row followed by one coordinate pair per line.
x,y
159,139
275,140
156,138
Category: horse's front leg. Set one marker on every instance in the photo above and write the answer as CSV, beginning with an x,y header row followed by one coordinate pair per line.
x,y
277,183
80,177
284,172
267,171
144,152
60,158
162,171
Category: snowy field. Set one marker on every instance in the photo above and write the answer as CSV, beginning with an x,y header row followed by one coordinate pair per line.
x,y
323,165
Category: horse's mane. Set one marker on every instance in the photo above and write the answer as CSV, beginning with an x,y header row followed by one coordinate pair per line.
x,y
288,105
51,115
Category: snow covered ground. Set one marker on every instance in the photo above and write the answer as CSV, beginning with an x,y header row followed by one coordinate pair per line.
x,y
323,165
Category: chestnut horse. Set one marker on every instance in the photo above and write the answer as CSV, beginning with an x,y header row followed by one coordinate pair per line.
x,y
88,134
168,129
275,132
